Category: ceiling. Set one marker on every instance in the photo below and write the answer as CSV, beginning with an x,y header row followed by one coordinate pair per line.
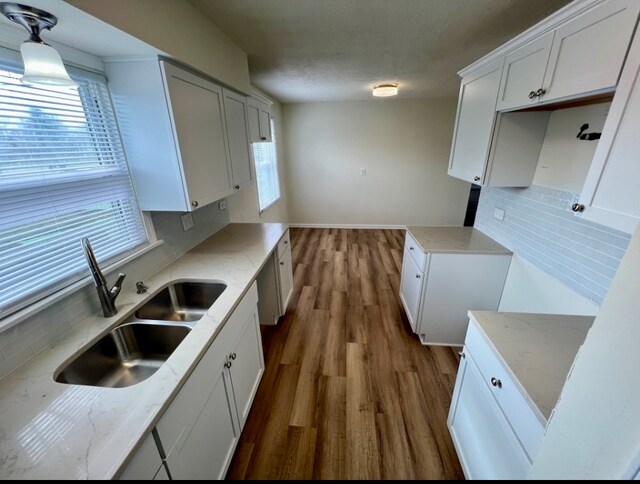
x,y
335,50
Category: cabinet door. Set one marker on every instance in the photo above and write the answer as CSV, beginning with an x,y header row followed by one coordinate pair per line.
x,y
474,123
235,110
285,278
246,365
411,288
610,195
484,441
145,463
523,73
197,114
589,51
205,447
253,112
265,126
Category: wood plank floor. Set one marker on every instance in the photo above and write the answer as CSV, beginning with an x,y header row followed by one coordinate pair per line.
x,y
348,390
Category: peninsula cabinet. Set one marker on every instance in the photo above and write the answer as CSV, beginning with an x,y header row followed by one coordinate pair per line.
x,y
610,195
583,56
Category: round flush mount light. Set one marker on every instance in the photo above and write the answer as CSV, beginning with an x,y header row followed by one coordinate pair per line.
x,y
385,90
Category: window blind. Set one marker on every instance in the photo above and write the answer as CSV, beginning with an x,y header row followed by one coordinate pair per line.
x,y
63,176
266,161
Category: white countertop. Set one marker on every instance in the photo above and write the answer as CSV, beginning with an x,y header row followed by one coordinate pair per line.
x,y
455,240
537,350
50,430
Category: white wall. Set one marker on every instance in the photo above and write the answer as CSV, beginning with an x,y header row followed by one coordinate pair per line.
x,y
403,145
243,205
564,159
529,289
180,30
595,431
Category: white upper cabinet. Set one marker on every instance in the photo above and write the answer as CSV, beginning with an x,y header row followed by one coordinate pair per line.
x,y
523,73
259,121
583,56
235,109
197,112
610,195
474,123
589,51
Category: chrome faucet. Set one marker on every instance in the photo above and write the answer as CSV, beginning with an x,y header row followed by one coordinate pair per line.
x,y
107,296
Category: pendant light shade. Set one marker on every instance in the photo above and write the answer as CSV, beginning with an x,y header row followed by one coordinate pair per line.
x,y
42,63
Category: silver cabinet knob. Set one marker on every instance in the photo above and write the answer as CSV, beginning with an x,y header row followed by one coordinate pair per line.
x,y
476,178
237,187
410,248
141,288
577,207
541,92
227,365
461,354
496,383
281,263
232,356
532,94
263,138
417,276
286,242
194,204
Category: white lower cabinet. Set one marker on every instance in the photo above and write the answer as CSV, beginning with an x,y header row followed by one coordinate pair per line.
x,y
285,278
146,463
199,431
495,432
411,288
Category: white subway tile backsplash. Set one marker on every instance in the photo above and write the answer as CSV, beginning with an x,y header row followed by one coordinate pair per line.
x,y
31,336
539,226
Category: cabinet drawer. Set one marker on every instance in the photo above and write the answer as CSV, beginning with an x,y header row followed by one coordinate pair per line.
x,y
512,402
284,244
416,251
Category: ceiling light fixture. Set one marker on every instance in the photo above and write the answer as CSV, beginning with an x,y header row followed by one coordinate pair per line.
x,y
42,63
385,90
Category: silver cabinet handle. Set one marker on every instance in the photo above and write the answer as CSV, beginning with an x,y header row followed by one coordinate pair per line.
x,y
263,138
577,207
286,242
237,187
496,383
281,263
417,276
227,365
410,248
194,204
476,178
532,94
232,356
461,354
541,92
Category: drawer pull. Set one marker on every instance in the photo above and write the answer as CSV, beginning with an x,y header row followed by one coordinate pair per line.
x,y
496,383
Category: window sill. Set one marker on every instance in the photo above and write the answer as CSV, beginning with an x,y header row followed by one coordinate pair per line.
x,y
19,316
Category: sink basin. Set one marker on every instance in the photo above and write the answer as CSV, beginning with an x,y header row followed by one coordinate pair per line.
x,y
127,355
182,301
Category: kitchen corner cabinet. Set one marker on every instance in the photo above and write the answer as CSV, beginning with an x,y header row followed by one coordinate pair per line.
x,y
259,121
200,429
610,195
489,148
235,110
583,56
438,289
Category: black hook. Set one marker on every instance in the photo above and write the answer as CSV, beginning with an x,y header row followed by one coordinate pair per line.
x,y
587,136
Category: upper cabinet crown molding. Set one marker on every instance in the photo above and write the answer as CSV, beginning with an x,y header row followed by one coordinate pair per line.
x,y
546,25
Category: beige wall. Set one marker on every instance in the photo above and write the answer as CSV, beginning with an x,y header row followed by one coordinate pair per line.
x,y
403,145
177,28
243,205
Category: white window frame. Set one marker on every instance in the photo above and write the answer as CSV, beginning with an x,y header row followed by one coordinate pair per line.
x,y
9,53
277,168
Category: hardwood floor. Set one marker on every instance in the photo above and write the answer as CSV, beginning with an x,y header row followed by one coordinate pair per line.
x,y
348,390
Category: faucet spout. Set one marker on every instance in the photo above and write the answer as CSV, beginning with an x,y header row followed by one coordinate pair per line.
x,y
107,296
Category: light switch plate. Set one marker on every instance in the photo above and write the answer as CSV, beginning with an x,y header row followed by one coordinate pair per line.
x,y
363,172
222,205
498,213
187,221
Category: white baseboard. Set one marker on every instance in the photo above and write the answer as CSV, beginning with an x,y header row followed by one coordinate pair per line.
x,y
347,226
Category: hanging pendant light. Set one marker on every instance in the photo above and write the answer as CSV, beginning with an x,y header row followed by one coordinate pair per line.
x,y
42,63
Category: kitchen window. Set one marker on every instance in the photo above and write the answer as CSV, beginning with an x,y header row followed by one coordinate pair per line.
x,y
63,176
266,160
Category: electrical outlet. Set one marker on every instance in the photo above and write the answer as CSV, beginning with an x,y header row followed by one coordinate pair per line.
x,y
222,205
499,214
187,221
363,172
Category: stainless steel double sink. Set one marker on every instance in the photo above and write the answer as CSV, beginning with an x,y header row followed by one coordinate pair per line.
x,y
137,348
